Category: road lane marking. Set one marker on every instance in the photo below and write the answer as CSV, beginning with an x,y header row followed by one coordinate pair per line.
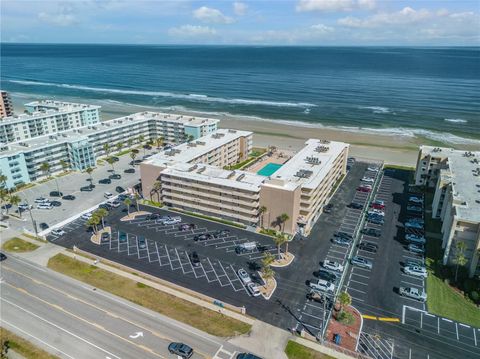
x,y
57,326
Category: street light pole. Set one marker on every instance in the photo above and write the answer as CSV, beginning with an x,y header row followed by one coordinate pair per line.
x,y
34,223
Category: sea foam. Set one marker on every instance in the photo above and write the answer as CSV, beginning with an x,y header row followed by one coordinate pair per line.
x,y
456,120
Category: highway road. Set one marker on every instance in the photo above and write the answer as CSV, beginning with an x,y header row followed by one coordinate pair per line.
x,y
75,320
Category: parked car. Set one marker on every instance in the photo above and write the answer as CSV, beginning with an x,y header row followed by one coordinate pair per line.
x,y
247,356
340,241
373,168
373,232
56,203
119,189
122,237
180,349
142,244
243,275
368,247
56,194
416,248
415,239
322,285
46,205
114,204
105,181
413,263
416,271
376,221
105,236
335,266
86,188
3,257
172,220
414,225
43,226
58,232
107,195
326,275
368,179
202,237
355,205
415,199
115,176
343,235
377,206
41,200
24,206
151,216
129,170
361,262
105,206
376,211
414,209
413,293
246,247
69,197
186,226
328,208
194,259
253,289
364,189
416,219
221,232
378,202
86,216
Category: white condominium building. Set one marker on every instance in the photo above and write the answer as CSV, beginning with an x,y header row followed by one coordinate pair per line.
x,y
47,117
80,147
6,106
455,176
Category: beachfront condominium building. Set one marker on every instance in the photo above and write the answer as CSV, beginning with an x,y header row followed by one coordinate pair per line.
x,y
455,177
46,118
193,177
6,106
80,147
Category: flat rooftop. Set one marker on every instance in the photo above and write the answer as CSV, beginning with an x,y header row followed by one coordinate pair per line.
x,y
310,165
180,119
187,152
211,174
464,175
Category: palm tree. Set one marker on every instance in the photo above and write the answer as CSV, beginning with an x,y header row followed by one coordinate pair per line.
x,y
267,259
344,299
133,155
111,162
127,202
141,138
45,168
106,149
279,241
190,138
89,170
3,197
460,259
64,165
157,186
282,219
159,141
119,146
15,200
101,213
267,273
93,222
3,180
261,211
130,142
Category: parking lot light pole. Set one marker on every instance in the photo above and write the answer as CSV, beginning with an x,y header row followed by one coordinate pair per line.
x,y
34,223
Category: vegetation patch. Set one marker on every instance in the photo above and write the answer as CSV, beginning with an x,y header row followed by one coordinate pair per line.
x,y
179,309
299,351
21,346
148,202
241,164
18,245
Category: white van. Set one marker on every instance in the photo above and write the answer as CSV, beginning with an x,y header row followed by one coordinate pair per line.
x,y
322,286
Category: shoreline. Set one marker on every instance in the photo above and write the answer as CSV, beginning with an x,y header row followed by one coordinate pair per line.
x,y
398,149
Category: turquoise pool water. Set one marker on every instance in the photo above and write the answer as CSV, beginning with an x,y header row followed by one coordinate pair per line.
x,y
269,169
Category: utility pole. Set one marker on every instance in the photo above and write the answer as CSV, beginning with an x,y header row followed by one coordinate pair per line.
x,y
34,223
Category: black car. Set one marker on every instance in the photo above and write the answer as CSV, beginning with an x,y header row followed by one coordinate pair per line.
x,y
105,236
247,356
105,206
56,203
328,208
69,197
202,237
86,189
56,194
221,232
341,241
325,275
119,189
43,226
115,176
2,256
194,259
355,205
373,232
149,217
115,159
129,170
105,181
180,349
343,235
368,247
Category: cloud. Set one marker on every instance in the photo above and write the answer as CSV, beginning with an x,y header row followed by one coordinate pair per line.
x,y
192,31
240,8
334,5
210,15
322,29
405,16
58,19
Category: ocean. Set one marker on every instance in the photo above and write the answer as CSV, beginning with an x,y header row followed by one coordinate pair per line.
x,y
430,92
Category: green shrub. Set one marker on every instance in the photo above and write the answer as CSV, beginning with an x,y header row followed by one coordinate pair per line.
x,y
475,296
346,318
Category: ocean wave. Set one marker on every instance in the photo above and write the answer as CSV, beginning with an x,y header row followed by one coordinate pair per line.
x,y
377,109
455,120
191,97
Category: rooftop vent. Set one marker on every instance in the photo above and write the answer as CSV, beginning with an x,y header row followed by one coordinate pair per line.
x,y
242,176
231,174
313,160
218,135
322,149
325,142
437,149
191,144
200,143
232,131
304,174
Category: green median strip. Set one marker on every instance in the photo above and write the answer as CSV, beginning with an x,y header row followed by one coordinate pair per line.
x,y
179,309
18,245
21,346
298,351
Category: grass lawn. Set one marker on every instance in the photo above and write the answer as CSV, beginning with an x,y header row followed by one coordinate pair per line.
x,y
18,245
23,347
298,351
201,318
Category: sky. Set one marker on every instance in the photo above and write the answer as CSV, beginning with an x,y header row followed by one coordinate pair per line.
x,y
268,22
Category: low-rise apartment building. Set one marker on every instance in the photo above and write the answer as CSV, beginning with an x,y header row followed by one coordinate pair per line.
x,y
455,176
6,106
80,147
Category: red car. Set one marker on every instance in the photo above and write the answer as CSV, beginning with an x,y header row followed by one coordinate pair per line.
x,y
377,206
364,189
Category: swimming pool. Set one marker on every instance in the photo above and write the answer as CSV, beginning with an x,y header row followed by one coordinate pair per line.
x,y
269,169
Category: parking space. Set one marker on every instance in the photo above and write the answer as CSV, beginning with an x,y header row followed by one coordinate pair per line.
x,y
375,346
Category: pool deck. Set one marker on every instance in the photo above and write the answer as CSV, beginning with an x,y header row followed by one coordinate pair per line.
x,y
278,157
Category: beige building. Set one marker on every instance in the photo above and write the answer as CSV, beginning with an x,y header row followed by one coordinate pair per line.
x,y
6,106
455,175
191,177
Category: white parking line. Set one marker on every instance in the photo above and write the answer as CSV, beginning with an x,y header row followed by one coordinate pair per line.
x,y
360,275
357,290
355,281
475,336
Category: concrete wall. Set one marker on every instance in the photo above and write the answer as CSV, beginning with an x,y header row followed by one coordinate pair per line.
x,y
149,175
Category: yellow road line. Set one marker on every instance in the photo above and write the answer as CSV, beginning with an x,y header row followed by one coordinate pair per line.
x,y
383,319
369,317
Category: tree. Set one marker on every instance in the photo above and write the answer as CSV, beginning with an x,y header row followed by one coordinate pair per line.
x,y
282,219
3,180
15,200
261,211
133,155
107,149
344,299
119,146
267,259
101,213
279,241
130,142
141,138
460,259
64,165
267,273
190,138
45,168
3,197
111,162
93,222
127,202
159,141
156,188
89,170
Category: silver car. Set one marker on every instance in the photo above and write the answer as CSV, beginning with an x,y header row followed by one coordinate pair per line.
x,y
361,262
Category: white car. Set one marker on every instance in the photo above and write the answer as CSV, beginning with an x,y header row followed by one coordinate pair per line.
x,y
368,179
337,267
114,204
372,169
415,199
24,206
107,195
253,289
172,220
58,232
41,200
244,277
322,286
361,262
415,239
413,293
416,271
46,205
376,211
86,216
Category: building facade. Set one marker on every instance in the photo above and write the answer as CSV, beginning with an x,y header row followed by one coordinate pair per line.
x,y
6,106
455,177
